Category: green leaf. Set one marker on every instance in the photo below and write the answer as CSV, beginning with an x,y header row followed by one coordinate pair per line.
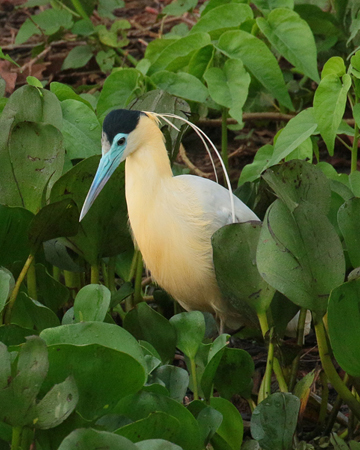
x,y
27,29
81,130
231,429
104,334
51,292
179,7
57,405
7,283
222,18
104,230
181,84
200,61
99,389
92,303
267,5
140,405
229,86
297,181
234,373
118,90
59,219
65,92
160,444
33,81
31,161
77,57
7,58
51,20
335,66
106,60
329,106
296,131
89,439
273,421
106,7
146,324
176,380
234,254
14,335
190,331
258,59
209,420
348,220
283,27
252,172
300,254
30,313
157,425
83,27
178,53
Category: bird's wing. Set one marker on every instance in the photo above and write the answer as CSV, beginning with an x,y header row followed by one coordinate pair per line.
x,y
215,200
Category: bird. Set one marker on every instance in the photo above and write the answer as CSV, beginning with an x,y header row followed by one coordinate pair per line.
x,y
172,218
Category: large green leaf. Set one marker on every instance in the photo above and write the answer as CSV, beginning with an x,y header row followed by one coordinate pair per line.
x,y
231,429
300,254
348,219
89,439
81,130
146,324
92,303
140,405
51,292
103,375
283,27
329,106
7,283
273,421
31,161
297,181
177,54
229,86
234,254
252,172
118,90
181,84
258,59
104,229
175,379
223,18
296,131
190,331
343,320
104,334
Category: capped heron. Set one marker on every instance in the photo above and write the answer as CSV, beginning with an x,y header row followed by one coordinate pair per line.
x,y
172,217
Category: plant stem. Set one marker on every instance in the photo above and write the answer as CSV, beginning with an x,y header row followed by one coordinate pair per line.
x,y
95,276
15,292
138,279
354,150
224,139
336,408
330,370
31,282
276,364
324,398
16,435
105,274
194,380
299,342
129,57
78,6
265,390
111,273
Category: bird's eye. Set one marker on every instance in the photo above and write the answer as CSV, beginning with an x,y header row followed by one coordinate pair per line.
x,y
121,141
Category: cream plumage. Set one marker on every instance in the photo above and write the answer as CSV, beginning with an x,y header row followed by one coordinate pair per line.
x,y
172,218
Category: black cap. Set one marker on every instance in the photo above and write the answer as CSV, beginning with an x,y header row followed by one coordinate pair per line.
x,y
120,121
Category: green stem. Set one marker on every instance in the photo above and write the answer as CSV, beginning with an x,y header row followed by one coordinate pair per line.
x,y
127,55
265,389
324,398
31,282
194,380
95,276
56,273
276,364
15,292
299,342
138,278
224,139
15,440
72,282
78,6
105,274
111,273
354,150
336,409
133,265
330,370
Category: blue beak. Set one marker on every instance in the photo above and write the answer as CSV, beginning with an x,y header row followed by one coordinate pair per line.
x,y
107,166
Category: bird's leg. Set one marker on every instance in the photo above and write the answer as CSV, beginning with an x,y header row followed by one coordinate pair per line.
x,y
221,327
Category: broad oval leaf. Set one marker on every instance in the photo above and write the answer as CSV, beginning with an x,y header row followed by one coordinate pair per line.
x,y
273,421
90,439
190,331
258,59
181,84
348,219
92,303
283,27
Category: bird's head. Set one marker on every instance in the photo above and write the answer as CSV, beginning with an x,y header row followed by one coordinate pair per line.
x,y
124,131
